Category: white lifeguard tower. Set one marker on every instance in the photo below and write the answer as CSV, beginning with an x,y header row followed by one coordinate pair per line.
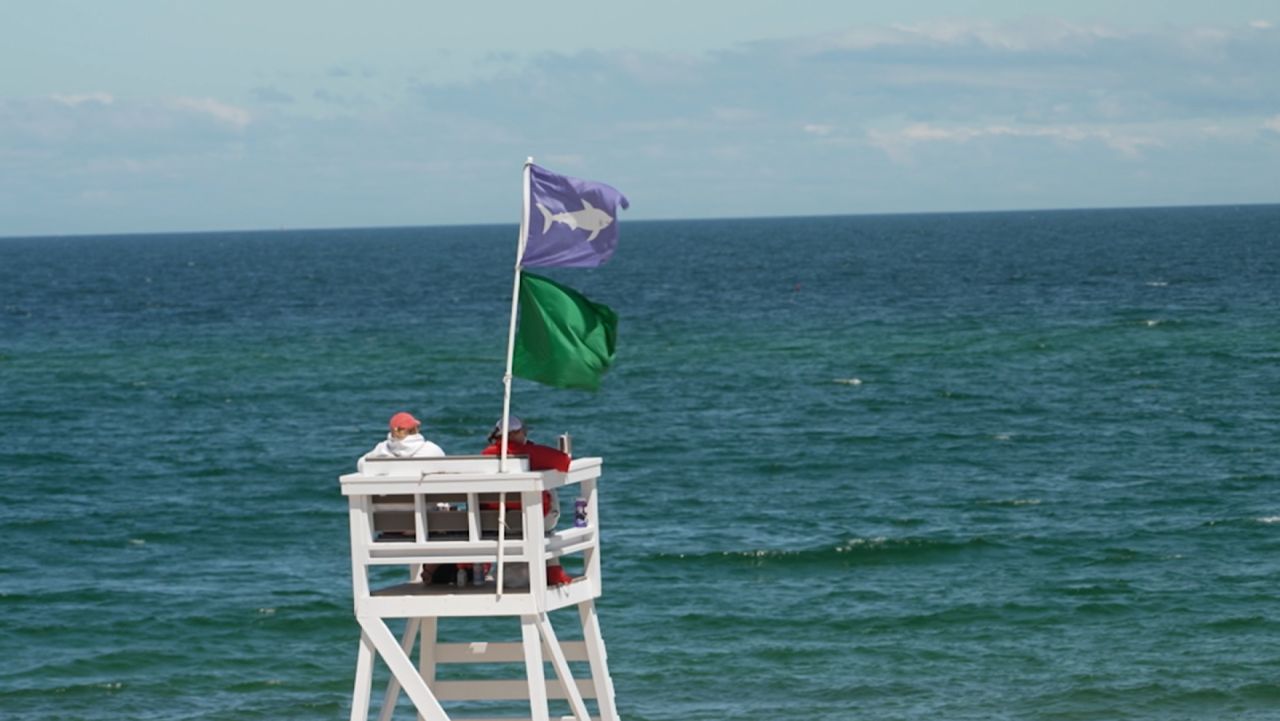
x,y
411,512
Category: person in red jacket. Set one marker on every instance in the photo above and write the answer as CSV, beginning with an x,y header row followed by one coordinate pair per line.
x,y
541,458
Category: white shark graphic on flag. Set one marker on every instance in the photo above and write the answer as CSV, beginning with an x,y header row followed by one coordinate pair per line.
x,y
589,218
567,207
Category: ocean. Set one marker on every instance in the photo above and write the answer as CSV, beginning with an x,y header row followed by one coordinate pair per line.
x,y
919,467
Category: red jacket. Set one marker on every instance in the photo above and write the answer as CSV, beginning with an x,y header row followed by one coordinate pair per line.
x,y
541,458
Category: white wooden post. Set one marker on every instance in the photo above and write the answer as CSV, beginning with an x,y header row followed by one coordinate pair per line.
x,y
364,680
502,533
535,544
538,709
358,516
591,557
598,661
420,527
427,653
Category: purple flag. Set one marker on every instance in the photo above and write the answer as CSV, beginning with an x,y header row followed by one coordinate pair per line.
x,y
572,223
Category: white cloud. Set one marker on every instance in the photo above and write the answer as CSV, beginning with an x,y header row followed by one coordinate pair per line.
x,y
1272,124
663,125
1012,37
1020,37
818,129
73,100
567,160
1261,24
897,143
271,94
734,114
237,118
653,68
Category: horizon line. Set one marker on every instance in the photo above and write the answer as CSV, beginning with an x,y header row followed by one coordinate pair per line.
x,y
282,229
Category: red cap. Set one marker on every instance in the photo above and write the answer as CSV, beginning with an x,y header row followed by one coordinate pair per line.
x,y
403,420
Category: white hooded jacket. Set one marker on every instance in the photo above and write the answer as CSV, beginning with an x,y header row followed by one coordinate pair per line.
x,y
411,446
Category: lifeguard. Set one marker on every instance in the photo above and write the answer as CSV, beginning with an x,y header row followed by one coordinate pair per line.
x,y
541,458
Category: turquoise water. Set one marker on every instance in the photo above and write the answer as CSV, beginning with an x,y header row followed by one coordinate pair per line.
x,y
979,466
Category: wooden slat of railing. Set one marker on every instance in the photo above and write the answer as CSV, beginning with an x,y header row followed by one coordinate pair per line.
x,y
499,652
510,690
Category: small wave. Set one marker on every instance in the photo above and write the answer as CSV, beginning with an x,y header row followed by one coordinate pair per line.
x,y
1104,608
1010,502
1156,283
1094,590
87,692
1263,691
1151,323
1262,520
254,685
855,550
848,381
1239,623
966,614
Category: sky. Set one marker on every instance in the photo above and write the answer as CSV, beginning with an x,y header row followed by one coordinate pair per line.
x,y
176,115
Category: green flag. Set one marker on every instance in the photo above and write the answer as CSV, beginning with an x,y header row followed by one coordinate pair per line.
x,y
563,339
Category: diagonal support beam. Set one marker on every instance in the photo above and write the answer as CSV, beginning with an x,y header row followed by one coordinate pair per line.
x,y
561,665
393,684
402,668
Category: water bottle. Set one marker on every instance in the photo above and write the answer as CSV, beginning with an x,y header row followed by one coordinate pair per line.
x,y
477,574
461,580
580,513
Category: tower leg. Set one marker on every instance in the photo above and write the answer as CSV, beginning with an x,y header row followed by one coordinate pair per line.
x,y
364,679
427,654
538,710
598,660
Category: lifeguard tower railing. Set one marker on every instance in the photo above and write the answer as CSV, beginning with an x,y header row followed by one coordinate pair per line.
x,y
411,513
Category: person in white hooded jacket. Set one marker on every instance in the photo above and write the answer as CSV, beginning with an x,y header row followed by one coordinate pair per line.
x,y
404,440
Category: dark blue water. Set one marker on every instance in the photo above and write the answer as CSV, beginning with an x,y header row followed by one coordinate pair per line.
x,y
980,466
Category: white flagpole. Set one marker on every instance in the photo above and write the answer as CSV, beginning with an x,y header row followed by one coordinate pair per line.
x,y
511,328
506,378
